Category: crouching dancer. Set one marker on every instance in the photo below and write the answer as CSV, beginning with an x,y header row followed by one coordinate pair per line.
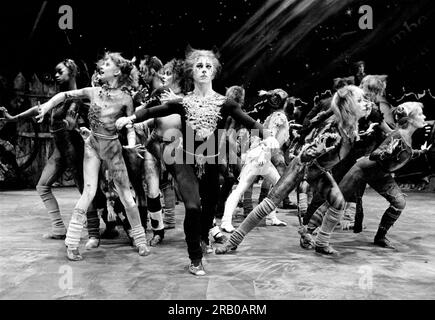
x,y
324,147
390,156
108,102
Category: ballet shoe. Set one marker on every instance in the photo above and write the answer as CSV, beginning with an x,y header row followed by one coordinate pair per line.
x,y
384,243
143,250
327,250
197,270
73,254
156,239
275,222
226,248
206,248
52,236
92,243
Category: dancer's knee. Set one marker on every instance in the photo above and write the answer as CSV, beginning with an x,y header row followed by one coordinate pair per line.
x,y
399,202
43,190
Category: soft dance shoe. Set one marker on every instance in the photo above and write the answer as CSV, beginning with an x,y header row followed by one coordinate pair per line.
x,y
384,243
275,222
328,250
73,254
197,270
53,236
206,248
92,243
157,239
220,238
307,241
143,250
227,247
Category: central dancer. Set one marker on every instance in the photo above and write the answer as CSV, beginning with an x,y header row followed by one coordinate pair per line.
x,y
203,111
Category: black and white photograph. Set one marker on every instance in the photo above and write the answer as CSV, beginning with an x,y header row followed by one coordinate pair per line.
x,y
219,156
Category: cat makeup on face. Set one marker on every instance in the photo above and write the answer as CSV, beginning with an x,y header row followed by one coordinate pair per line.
x,y
203,70
108,70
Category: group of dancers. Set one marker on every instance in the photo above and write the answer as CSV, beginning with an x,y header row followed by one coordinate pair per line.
x,y
138,130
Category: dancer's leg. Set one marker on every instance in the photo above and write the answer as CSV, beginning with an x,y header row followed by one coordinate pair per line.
x,y
152,178
247,178
51,172
189,189
90,172
209,189
326,185
272,176
387,187
292,176
167,188
112,154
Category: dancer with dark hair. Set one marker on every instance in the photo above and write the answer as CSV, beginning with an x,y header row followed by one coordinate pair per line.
x,y
324,148
202,112
108,103
67,153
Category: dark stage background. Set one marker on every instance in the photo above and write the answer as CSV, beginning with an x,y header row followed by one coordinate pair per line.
x,y
299,45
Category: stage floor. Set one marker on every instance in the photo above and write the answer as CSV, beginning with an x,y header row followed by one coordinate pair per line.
x,y
269,264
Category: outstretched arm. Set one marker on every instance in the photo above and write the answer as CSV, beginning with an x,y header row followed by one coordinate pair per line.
x,y
240,116
31,112
155,112
61,97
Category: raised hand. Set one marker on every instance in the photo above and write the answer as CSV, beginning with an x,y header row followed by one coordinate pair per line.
x,y
42,111
139,149
122,122
425,148
370,129
71,120
6,116
392,146
318,147
169,95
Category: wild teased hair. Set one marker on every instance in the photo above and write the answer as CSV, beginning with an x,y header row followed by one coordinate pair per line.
x,y
71,66
194,54
178,73
405,112
374,85
346,109
129,77
236,93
